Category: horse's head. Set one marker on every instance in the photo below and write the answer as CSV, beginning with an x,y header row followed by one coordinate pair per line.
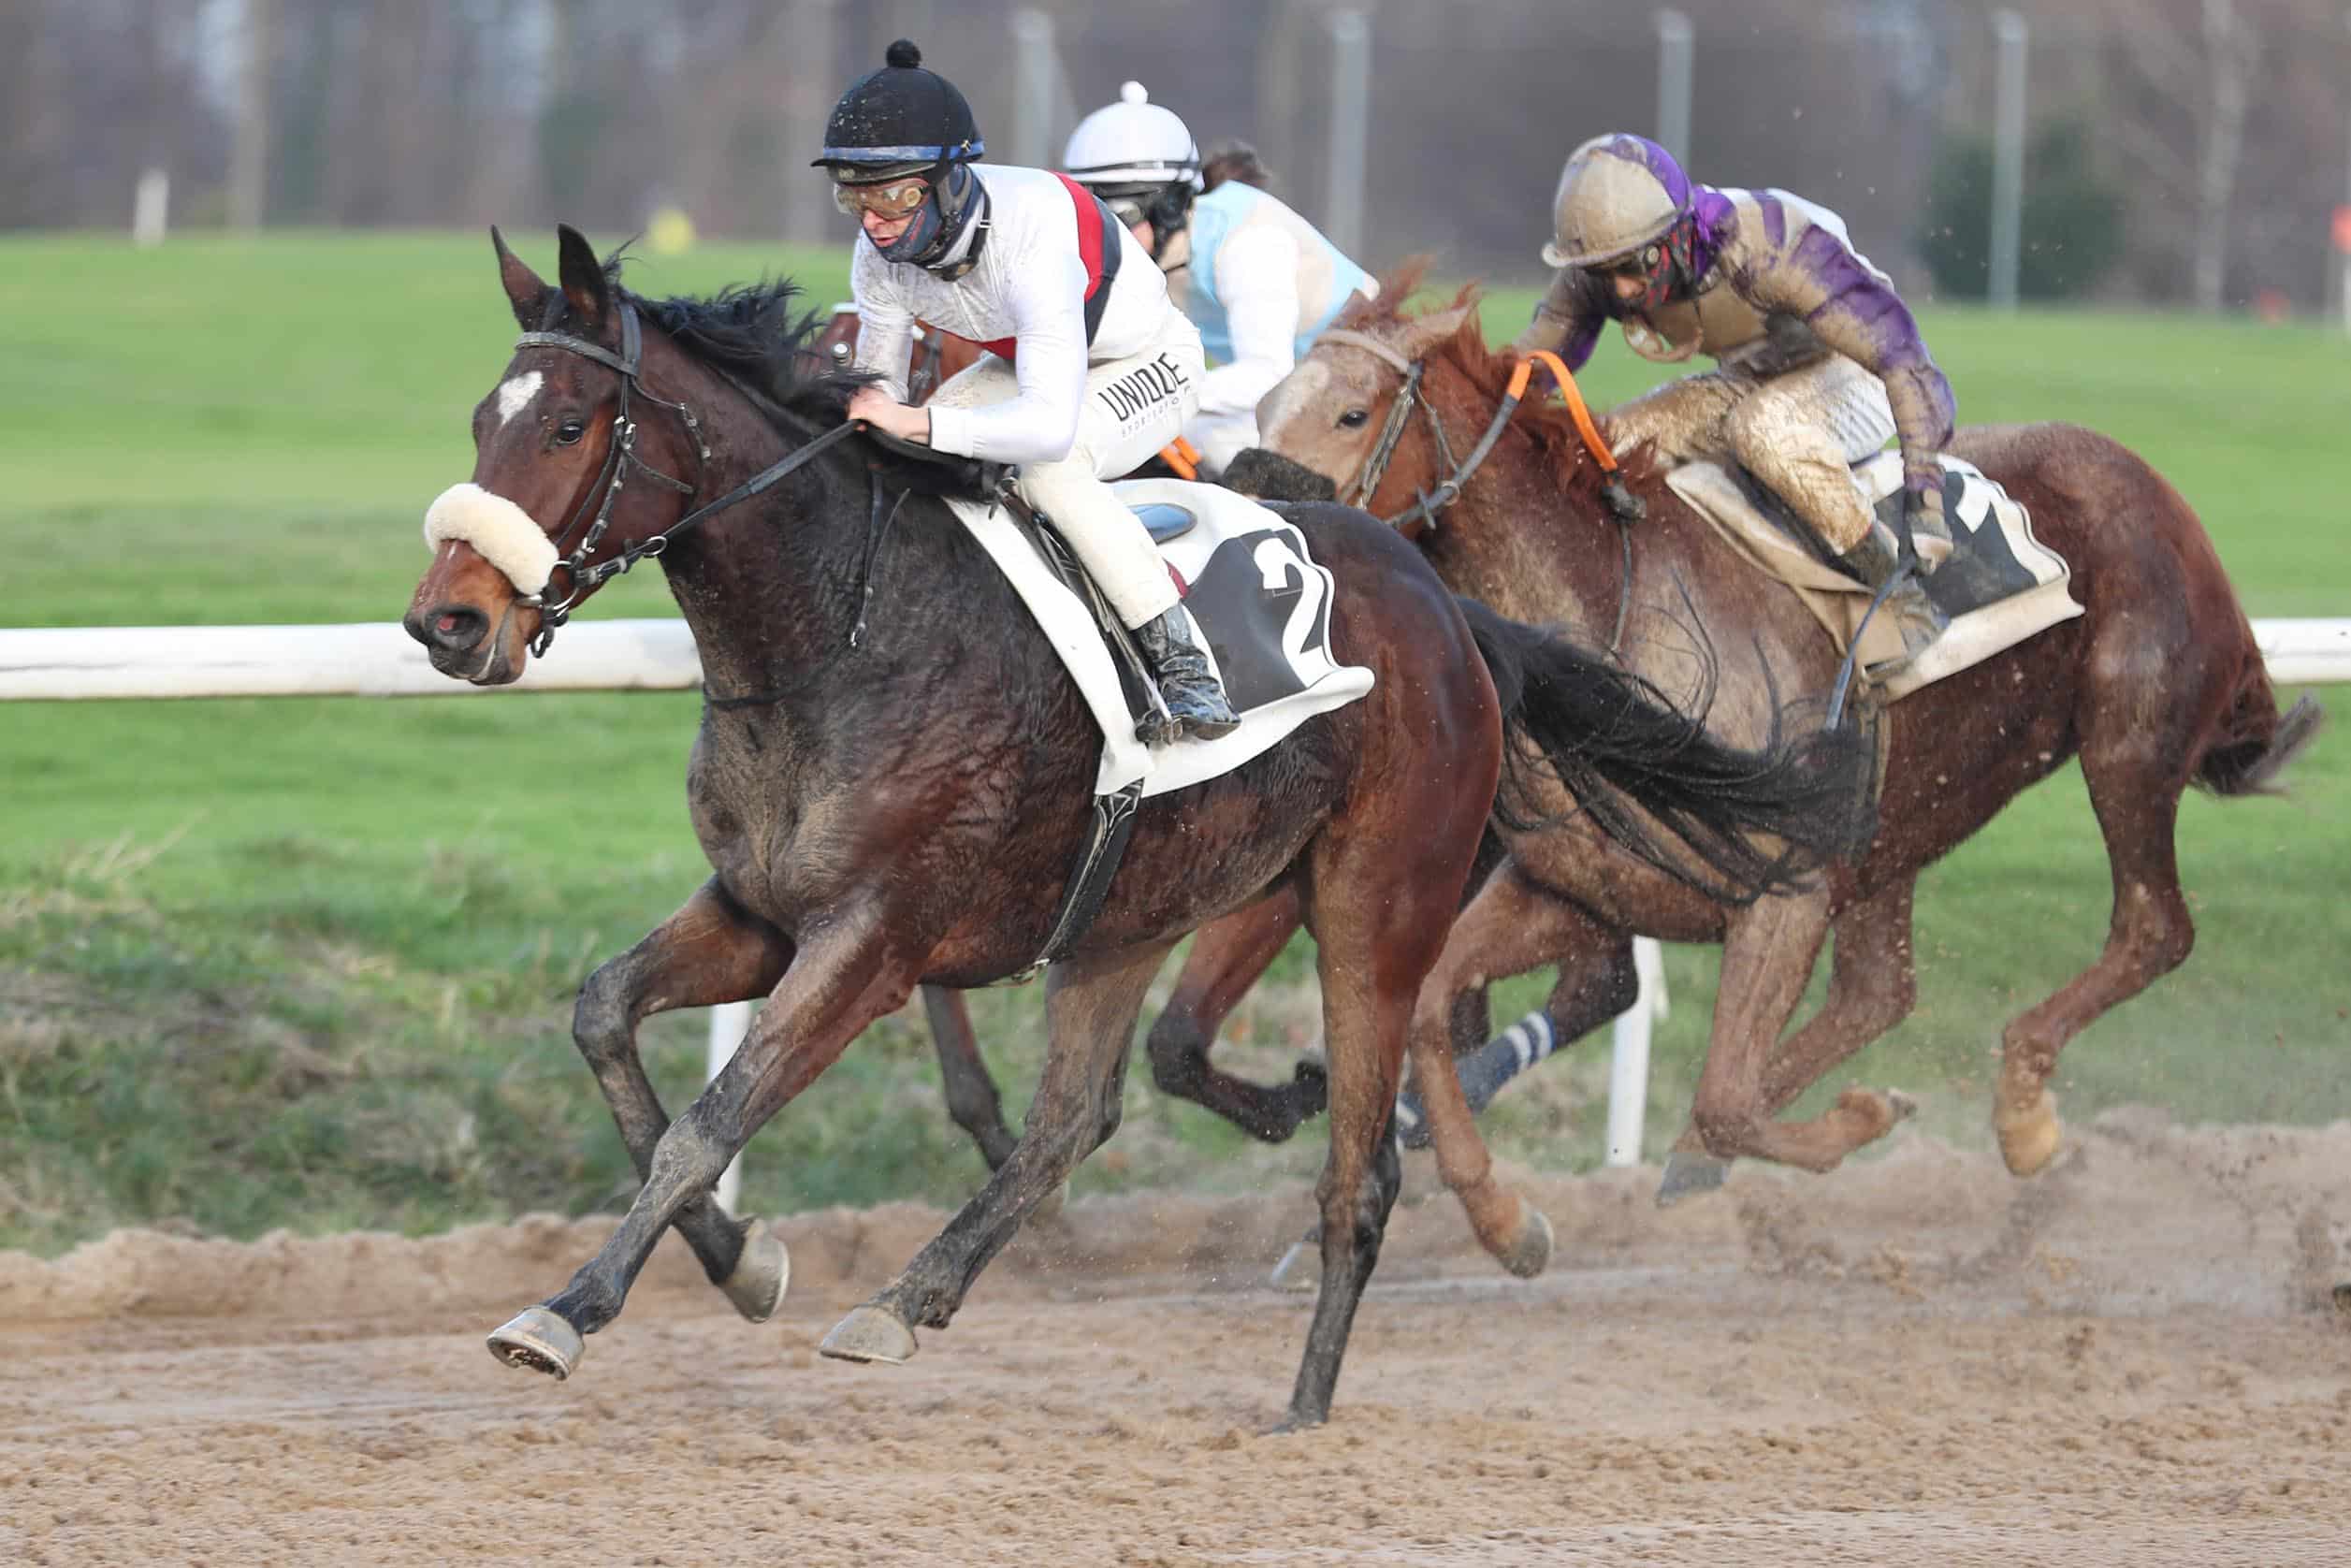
x,y
580,468
1347,413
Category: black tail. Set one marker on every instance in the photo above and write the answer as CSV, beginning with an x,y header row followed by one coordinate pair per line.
x,y
1616,741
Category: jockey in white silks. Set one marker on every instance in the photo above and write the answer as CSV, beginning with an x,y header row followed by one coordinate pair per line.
x,y
1258,280
1090,369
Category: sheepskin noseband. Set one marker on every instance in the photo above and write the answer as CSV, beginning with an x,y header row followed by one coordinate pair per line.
x,y
502,531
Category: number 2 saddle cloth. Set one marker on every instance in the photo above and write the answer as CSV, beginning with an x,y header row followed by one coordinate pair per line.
x,y
1259,603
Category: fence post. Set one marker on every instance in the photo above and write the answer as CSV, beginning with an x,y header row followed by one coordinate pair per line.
x,y
2008,161
151,209
1629,1061
1350,127
1676,41
728,1023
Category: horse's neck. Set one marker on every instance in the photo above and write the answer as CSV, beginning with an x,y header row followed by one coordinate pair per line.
x,y
1555,559
769,586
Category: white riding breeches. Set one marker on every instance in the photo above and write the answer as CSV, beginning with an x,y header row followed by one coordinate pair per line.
x,y
1133,407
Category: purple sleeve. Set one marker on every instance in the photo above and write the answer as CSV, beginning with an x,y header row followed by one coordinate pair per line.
x,y
1568,320
1854,311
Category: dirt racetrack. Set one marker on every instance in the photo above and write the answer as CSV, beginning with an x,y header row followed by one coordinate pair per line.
x,y
2138,1358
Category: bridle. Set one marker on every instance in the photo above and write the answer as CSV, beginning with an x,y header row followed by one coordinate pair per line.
x,y
618,459
1626,507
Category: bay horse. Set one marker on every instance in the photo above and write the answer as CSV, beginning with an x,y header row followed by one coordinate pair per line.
x,y
2158,687
898,797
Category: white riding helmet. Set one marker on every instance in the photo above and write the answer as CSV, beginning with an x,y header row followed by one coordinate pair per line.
x,y
1132,144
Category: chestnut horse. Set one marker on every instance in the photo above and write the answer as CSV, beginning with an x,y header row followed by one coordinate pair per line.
x,y
906,803
2159,686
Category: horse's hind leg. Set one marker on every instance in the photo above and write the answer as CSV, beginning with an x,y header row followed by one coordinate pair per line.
x,y
1091,1005
1873,986
2136,795
708,952
1228,957
972,1099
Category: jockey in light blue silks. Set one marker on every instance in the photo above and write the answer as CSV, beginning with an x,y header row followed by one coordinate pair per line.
x,y
1258,280
1816,361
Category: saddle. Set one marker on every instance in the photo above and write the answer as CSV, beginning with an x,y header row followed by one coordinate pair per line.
x,y
1995,581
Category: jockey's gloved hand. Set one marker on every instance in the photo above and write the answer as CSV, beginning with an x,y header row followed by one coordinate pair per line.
x,y
1922,517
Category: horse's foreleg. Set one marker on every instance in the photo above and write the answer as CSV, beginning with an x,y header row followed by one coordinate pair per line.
x,y
1228,957
1873,985
972,1099
710,951
1091,1005
1767,958
1510,927
837,983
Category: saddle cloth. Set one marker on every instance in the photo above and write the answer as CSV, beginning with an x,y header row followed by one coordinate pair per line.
x,y
1260,608
1999,584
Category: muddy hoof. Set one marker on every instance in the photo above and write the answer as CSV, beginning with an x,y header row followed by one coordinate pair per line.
x,y
762,1274
1690,1175
870,1333
1299,1270
2029,1138
2343,1300
1531,1254
536,1339
1903,1105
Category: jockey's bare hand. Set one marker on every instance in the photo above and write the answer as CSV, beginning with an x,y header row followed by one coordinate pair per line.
x,y
884,412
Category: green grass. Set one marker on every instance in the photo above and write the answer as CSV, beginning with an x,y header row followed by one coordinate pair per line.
x,y
309,963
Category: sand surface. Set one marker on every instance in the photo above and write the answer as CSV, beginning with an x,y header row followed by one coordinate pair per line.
x,y
2136,1359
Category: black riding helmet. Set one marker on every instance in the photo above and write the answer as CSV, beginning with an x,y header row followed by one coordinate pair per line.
x,y
903,120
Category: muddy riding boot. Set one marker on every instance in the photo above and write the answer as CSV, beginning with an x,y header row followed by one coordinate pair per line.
x,y
1195,698
1873,560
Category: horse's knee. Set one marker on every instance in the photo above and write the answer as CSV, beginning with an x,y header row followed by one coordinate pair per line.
x,y
1179,1055
1726,1131
603,1024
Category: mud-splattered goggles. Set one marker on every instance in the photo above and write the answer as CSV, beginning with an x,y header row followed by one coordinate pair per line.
x,y
887,198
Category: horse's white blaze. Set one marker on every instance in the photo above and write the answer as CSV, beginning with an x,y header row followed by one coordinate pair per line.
x,y
514,394
1300,389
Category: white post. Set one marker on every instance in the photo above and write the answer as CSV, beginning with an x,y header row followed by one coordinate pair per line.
x,y
2342,226
1035,71
1674,41
1628,1062
151,209
2008,160
1350,127
728,1023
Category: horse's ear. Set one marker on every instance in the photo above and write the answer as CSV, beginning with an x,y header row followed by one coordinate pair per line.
x,y
584,281
1438,326
526,291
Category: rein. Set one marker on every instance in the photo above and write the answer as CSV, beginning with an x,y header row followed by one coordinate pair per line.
x,y
609,479
1623,505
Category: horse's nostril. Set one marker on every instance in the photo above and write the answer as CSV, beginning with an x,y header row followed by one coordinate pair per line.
x,y
454,627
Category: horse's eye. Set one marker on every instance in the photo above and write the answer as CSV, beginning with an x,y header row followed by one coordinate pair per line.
x,y
570,431
1354,418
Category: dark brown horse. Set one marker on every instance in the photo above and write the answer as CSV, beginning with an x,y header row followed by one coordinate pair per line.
x,y
906,805
2158,687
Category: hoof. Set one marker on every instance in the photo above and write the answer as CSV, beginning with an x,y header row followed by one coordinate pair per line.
x,y
536,1339
870,1333
1298,1270
2343,1300
1689,1175
762,1274
1531,1254
2029,1138
1903,1105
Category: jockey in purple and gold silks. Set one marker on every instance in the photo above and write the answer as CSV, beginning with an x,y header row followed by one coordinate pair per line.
x,y
1817,361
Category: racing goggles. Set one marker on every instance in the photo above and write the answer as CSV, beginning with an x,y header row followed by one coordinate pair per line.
x,y
887,200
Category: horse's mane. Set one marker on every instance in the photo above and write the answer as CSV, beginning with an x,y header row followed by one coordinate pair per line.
x,y
756,339
1545,419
